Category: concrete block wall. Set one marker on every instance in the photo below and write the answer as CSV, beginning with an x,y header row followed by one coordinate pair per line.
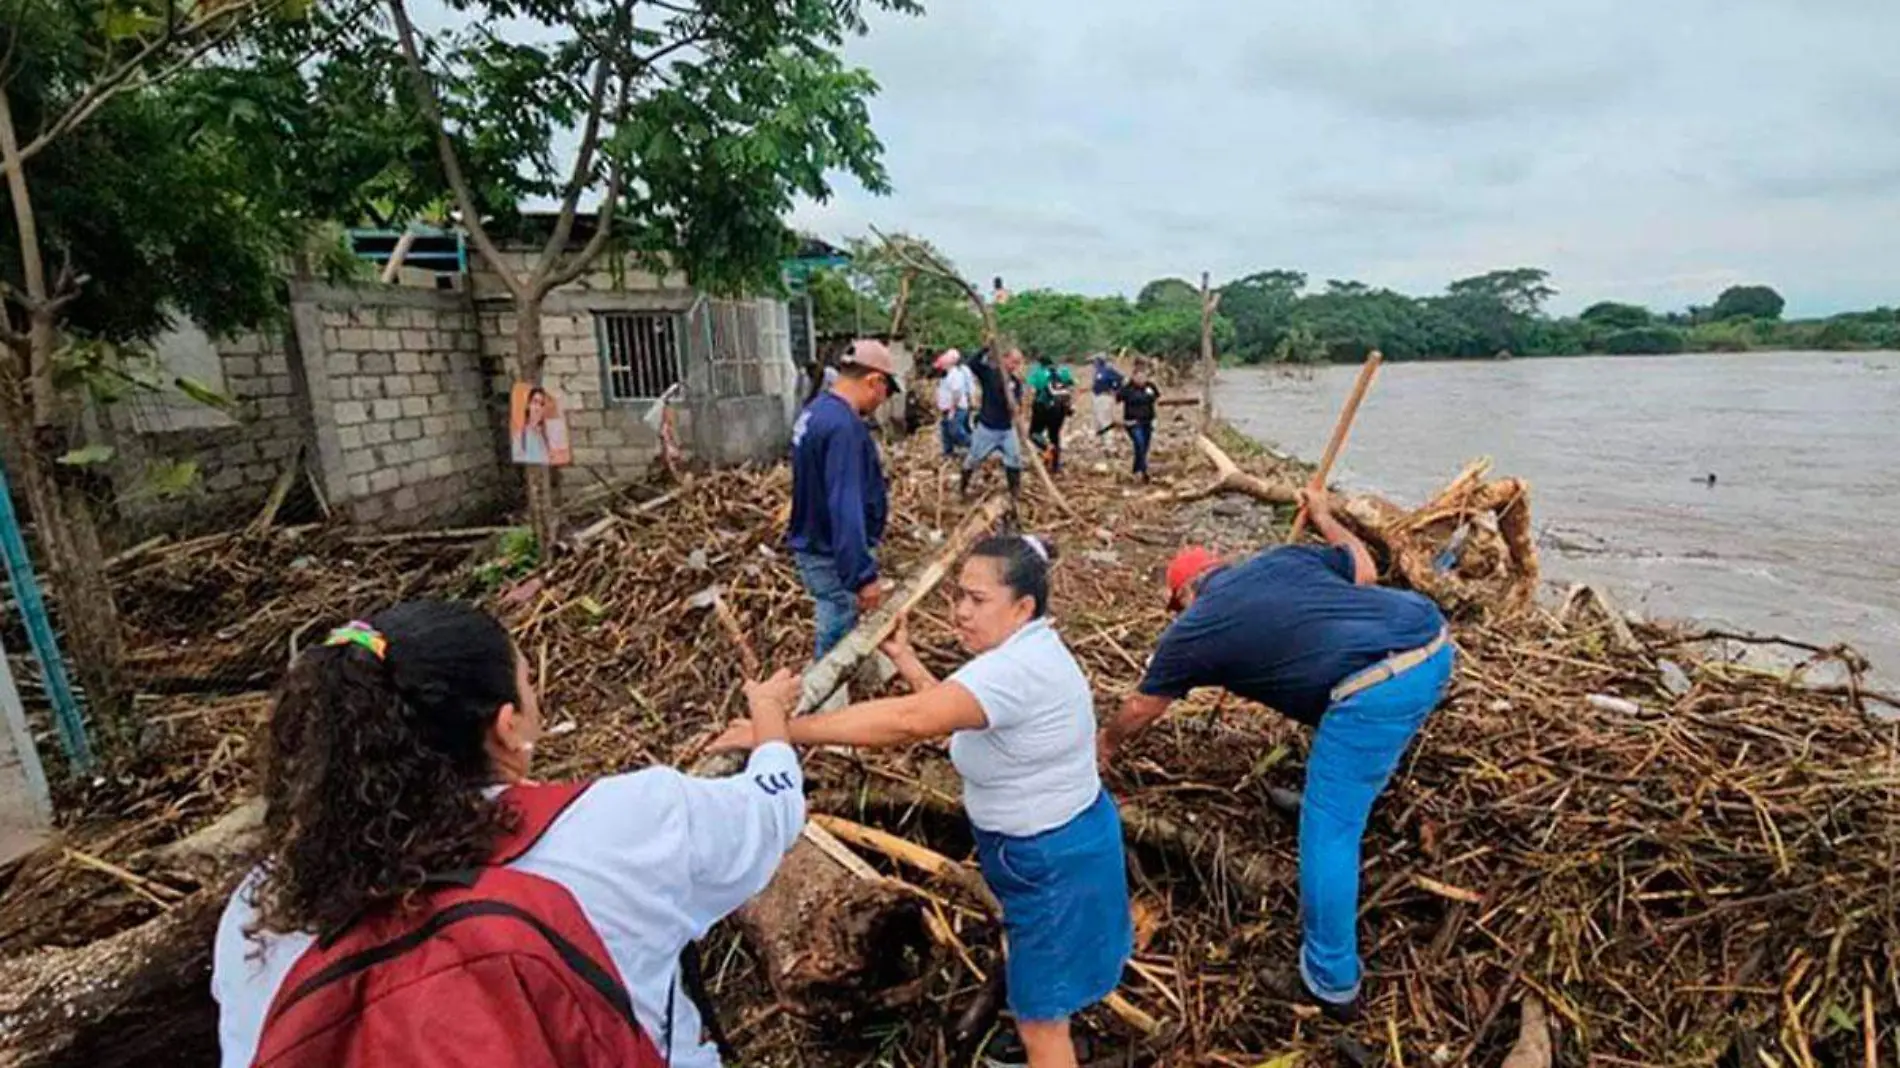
x,y
407,428
238,462
612,441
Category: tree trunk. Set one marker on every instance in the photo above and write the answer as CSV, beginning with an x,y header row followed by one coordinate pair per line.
x,y
142,996
62,516
543,504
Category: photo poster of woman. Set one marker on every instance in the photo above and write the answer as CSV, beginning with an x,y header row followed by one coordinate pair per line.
x,y
536,428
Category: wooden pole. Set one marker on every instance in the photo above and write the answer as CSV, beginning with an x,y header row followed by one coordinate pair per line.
x,y
1340,430
1210,303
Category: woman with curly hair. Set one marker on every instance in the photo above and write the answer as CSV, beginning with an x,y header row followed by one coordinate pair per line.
x,y
420,901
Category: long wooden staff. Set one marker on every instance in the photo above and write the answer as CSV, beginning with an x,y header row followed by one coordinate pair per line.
x,y
1340,430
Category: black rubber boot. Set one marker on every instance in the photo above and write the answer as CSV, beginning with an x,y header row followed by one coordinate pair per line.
x,y
1015,478
963,483
1287,985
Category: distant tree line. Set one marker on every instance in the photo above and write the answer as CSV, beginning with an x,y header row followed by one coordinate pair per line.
x,y
1279,316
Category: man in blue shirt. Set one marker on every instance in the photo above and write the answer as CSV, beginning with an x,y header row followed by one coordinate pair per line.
x,y
1107,383
1305,630
839,501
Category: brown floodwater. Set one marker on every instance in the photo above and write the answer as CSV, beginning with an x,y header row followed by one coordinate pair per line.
x,y
1798,534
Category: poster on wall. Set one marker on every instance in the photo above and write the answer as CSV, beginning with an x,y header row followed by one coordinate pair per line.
x,y
537,428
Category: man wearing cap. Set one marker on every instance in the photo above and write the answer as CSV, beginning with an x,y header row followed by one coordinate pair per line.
x,y
1305,630
839,502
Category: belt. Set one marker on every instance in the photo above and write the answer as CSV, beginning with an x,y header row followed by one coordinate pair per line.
x,y
1390,668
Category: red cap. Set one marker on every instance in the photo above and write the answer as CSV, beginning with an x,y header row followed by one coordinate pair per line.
x,y
1188,564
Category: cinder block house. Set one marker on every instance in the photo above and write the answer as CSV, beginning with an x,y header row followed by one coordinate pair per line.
x,y
393,398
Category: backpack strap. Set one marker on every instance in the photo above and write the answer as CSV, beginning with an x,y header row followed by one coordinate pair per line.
x,y
536,806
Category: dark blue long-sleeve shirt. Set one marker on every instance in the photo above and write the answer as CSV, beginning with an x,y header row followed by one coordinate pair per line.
x,y
1107,379
839,502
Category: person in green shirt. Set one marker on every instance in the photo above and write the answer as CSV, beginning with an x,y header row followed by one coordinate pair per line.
x,y
1052,388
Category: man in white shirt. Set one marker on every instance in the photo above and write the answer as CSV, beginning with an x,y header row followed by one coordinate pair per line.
x,y
956,393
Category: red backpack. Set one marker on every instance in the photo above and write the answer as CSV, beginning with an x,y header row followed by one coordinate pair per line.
x,y
496,967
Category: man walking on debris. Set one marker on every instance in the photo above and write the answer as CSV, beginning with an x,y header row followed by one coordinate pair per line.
x,y
994,432
839,501
1305,630
1052,389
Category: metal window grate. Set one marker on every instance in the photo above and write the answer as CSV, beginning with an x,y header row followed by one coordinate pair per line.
x,y
733,332
640,353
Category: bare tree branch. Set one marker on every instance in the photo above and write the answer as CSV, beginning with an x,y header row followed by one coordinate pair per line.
x,y
451,163
584,157
596,242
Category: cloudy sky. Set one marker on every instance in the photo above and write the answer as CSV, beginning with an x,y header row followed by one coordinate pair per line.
x,y
1644,152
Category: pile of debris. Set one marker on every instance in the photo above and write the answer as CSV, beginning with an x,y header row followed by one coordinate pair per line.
x,y
1629,848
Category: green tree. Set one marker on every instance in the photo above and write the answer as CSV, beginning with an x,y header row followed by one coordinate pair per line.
x,y
1610,315
698,125
1173,333
125,207
841,307
1753,302
1044,322
1261,307
1168,293
1521,290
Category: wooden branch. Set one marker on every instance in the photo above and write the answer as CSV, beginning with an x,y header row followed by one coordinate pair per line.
x,y
596,242
1338,441
1229,478
1209,303
393,269
842,661
584,155
101,92
445,149
922,259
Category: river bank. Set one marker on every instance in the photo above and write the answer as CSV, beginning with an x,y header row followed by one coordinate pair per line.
x,y
1652,869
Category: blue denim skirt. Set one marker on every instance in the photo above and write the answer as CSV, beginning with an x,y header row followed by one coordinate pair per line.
x,y
1064,894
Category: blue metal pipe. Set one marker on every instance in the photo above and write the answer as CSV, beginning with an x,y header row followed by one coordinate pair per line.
x,y
39,632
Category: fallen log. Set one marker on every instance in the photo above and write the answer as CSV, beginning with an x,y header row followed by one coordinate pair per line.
x,y
831,943
1229,478
140,997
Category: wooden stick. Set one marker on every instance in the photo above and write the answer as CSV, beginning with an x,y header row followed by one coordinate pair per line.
x,y
735,632
907,852
1340,430
158,894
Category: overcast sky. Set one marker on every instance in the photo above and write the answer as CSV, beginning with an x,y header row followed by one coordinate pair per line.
x,y
1644,152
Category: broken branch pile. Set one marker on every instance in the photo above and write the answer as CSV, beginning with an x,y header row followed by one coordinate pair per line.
x,y
1710,871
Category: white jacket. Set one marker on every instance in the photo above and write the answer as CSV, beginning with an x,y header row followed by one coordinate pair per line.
x,y
655,858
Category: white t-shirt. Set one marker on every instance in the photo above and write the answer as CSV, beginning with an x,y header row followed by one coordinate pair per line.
x,y
654,858
1033,769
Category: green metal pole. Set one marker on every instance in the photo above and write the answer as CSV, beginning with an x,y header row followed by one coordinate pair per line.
x,y
39,632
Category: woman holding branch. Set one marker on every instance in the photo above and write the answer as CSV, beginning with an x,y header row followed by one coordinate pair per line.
x,y
1020,718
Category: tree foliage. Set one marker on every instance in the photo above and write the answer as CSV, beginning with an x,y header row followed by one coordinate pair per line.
x,y
1168,293
1610,315
1751,302
1046,323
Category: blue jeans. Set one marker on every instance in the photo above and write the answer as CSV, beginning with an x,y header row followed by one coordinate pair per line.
x,y
837,604
1355,750
985,440
1141,435
954,430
